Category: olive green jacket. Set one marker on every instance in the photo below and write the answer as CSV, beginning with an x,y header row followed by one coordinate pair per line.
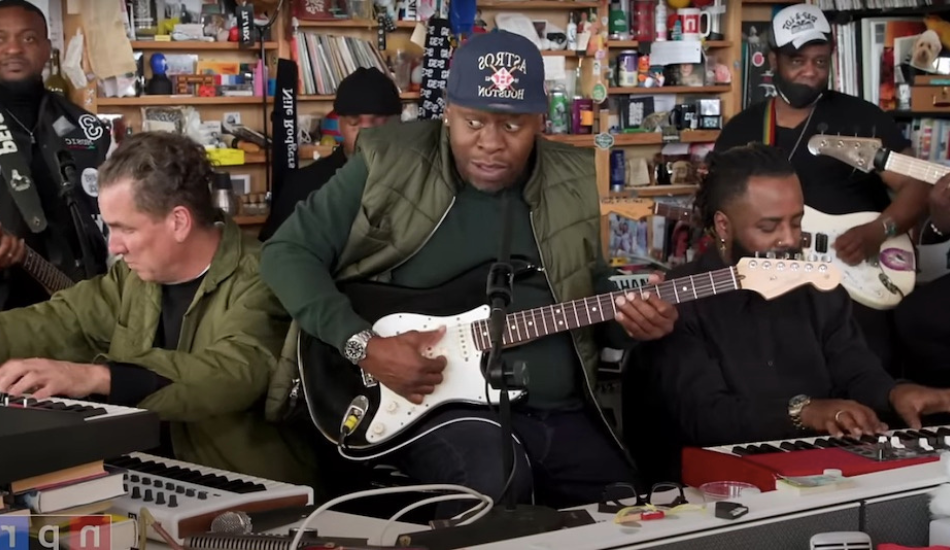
x,y
230,337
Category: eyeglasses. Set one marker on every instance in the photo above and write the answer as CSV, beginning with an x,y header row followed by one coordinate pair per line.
x,y
664,498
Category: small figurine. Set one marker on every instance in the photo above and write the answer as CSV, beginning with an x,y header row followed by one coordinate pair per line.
x,y
481,26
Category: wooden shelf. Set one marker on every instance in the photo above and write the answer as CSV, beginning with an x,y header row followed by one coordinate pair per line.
x,y
538,4
198,45
639,138
672,90
621,44
405,96
308,152
250,220
352,24
560,53
663,191
149,100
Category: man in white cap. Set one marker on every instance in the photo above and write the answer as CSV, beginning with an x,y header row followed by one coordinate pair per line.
x,y
802,50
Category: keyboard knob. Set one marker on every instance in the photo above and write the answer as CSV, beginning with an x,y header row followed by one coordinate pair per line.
x,y
172,501
148,495
125,487
146,481
136,493
134,478
160,498
180,490
189,492
202,495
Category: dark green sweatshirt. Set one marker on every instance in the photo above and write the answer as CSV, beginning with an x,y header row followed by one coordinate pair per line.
x,y
298,260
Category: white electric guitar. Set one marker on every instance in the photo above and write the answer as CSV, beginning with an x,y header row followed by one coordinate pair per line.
x,y
366,418
878,283
868,154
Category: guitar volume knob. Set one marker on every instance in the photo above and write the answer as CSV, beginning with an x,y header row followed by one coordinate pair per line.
x,y
379,428
392,407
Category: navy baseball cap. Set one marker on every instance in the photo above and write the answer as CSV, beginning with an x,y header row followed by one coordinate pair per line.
x,y
498,71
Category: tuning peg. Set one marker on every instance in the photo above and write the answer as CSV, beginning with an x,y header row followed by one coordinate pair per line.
x,y
799,256
756,254
770,255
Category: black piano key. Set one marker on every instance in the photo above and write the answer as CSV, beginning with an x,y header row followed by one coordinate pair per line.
x,y
928,433
250,488
851,441
868,439
904,435
943,431
823,443
766,449
805,446
741,451
789,446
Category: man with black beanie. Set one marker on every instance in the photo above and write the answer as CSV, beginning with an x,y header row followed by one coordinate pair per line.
x,y
364,99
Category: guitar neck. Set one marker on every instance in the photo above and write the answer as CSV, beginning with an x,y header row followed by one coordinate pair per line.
x,y
922,170
44,272
524,326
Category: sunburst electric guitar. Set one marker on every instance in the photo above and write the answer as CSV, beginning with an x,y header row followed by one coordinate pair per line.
x,y
866,154
880,282
45,273
379,420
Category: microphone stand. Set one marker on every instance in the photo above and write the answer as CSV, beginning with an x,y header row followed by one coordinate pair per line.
x,y
511,519
67,174
261,29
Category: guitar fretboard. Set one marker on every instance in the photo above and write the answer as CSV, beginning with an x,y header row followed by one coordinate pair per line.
x,y
523,326
44,272
915,168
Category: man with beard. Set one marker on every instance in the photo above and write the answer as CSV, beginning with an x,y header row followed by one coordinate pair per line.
x,y
41,132
740,368
801,55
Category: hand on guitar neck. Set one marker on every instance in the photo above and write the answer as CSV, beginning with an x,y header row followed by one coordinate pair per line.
x,y
409,364
12,250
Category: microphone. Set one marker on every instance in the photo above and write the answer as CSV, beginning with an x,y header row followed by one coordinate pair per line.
x,y
245,523
67,167
354,415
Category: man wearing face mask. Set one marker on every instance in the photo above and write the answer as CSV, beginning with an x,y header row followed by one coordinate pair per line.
x,y
740,368
40,132
364,99
801,55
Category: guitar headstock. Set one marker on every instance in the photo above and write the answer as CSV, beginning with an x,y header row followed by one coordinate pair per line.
x,y
628,207
854,151
772,277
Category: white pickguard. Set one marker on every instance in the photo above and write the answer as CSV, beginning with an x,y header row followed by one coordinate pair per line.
x,y
462,378
863,281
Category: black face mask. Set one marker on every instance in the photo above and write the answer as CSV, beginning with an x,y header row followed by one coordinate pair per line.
x,y
797,95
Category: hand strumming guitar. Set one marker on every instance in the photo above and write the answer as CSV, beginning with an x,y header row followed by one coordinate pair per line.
x,y
398,363
859,243
12,250
939,202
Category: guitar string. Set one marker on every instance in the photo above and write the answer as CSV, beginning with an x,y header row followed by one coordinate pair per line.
x,y
920,169
705,287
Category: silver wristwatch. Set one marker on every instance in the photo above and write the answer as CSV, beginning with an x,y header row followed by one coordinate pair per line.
x,y
355,348
795,407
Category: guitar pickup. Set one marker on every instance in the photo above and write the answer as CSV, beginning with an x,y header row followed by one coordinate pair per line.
x,y
821,243
806,240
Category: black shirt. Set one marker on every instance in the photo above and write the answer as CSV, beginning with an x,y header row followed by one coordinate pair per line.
x,y
733,362
300,183
829,185
58,243
175,302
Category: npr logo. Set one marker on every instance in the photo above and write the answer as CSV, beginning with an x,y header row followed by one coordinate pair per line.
x,y
63,532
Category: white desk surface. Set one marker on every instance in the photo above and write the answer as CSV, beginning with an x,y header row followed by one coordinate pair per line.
x,y
606,534
762,507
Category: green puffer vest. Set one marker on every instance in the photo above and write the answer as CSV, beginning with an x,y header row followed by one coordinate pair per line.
x,y
411,187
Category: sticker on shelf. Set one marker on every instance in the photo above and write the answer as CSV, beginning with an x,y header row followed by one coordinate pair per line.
x,y
604,141
599,93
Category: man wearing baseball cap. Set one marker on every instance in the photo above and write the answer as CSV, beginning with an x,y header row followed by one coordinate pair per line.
x,y
422,204
364,99
802,49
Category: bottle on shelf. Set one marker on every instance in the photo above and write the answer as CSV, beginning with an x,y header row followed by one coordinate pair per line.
x,y
55,81
571,33
661,20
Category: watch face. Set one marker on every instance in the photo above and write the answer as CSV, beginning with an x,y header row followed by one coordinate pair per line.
x,y
798,401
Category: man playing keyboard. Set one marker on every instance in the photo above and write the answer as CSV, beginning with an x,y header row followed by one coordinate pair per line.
x,y
182,325
739,368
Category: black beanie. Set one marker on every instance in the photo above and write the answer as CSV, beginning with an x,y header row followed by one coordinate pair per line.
x,y
367,92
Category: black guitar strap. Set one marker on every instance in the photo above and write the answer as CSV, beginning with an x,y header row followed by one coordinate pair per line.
x,y
16,173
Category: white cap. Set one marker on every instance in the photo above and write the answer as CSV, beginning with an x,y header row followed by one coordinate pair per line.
x,y
798,25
